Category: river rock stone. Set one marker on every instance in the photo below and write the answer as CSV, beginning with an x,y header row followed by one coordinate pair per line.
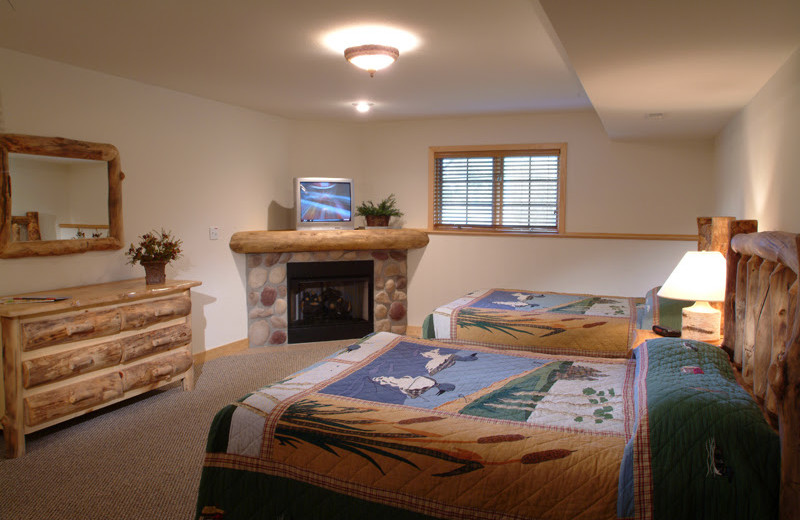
x,y
257,277
268,296
277,274
397,311
258,333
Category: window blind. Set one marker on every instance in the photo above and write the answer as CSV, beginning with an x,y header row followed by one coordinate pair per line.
x,y
509,190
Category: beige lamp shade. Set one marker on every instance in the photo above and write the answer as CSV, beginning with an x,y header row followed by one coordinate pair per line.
x,y
700,277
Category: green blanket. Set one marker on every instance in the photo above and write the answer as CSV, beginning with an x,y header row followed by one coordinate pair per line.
x,y
701,448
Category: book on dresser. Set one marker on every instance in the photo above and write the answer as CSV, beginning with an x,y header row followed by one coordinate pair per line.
x,y
83,348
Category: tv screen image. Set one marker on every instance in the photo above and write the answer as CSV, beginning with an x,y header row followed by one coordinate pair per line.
x,y
325,202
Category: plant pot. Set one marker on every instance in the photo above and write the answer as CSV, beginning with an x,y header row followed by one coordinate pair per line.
x,y
377,220
155,272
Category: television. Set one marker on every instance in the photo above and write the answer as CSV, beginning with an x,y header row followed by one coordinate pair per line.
x,y
323,203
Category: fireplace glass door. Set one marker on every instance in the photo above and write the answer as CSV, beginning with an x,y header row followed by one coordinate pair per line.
x,y
329,300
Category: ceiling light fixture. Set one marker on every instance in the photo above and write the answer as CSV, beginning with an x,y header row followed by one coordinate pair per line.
x,y
363,106
372,57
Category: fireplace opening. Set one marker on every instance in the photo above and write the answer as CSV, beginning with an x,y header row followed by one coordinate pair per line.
x,y
329,300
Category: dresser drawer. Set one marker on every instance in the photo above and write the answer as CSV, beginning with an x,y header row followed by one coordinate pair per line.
x,y
55,367
140,315
52,331
155,341
158,370
52,404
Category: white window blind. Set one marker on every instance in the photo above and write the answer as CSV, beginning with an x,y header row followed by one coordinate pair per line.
x,y
503,190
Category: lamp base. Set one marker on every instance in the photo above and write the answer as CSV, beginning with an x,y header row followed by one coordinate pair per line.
x,y
700,322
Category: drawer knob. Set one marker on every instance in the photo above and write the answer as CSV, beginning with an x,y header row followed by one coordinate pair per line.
x,y
161,341
77,397
162,372
79,328
81,363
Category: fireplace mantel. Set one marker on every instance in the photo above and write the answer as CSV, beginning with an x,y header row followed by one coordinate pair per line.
x,y
327,240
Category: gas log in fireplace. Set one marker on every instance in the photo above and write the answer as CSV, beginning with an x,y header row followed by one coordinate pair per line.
x,y
329,300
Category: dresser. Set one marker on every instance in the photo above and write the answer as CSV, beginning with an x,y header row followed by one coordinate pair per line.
x,y
102,344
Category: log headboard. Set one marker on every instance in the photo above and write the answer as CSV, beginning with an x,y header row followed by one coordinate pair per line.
x,y
762,332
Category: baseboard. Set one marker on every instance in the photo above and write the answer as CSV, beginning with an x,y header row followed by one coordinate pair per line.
x,y
415,332
224,350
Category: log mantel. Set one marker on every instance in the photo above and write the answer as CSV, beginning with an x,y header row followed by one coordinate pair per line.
x,y
327,240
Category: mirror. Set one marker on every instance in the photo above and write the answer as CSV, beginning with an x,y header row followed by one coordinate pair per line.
x,y
67,196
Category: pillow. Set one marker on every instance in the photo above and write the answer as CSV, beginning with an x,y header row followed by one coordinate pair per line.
x,y
660,311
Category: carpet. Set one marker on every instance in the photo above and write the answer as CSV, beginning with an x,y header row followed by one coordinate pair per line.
x,y
141,458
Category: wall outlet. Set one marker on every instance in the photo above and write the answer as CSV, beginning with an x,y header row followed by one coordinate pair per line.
x,y
213,233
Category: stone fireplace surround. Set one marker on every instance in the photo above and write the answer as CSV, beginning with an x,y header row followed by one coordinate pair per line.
x,y
268,252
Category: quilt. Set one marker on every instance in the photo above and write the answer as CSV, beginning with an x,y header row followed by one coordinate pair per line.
x,y
409,428
701,447
560,323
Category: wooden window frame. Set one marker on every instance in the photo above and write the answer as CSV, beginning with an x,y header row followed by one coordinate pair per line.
x,y
482,150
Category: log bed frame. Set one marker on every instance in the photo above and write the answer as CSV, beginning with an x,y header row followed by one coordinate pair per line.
x,y
761,330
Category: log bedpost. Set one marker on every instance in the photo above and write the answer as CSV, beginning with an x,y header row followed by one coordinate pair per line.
x,y
786,384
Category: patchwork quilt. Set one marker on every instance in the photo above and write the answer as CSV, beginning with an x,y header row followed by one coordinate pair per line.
x,y
408,428
559,323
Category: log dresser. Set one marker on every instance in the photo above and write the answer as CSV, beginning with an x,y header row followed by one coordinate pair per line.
x,y
102,344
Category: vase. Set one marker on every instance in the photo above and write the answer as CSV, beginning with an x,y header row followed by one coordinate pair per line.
x,y
377,220
155,272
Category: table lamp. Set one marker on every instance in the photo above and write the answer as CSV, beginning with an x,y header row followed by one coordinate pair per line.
x,y
699,277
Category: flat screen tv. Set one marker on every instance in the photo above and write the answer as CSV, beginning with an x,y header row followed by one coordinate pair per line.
x,y
323,203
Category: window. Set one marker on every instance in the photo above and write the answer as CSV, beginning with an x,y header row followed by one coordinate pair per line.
x,y
509,188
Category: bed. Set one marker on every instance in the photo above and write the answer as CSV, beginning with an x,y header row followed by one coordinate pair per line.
x,y
417,428
540,321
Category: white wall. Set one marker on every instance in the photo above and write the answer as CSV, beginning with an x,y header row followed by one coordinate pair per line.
x,y
619,187
189,163
758,157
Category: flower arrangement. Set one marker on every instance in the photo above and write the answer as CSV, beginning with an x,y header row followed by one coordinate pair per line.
x,y
155,247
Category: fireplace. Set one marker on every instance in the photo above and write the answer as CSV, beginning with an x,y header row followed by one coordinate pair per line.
x,y
329,300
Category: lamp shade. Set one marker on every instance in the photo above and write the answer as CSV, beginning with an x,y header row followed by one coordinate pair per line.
x,y
699,276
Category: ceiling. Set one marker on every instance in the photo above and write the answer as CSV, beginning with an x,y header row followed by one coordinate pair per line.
x,y
697,62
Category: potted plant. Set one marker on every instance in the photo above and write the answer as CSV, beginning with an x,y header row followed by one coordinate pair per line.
x,y
154,252
379,215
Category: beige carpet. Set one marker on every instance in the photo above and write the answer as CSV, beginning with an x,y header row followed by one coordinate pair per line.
x,y
140,459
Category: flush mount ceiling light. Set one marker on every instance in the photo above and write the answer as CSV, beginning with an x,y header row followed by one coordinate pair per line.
x,y
363,106
371,57
385,45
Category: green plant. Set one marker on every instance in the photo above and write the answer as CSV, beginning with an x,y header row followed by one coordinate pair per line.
x,y
387,206
155,247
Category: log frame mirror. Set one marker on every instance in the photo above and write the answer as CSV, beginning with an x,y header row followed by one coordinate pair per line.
x,y
57,147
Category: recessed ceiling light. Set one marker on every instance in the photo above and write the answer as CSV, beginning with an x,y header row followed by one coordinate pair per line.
x,y
655,115
363,106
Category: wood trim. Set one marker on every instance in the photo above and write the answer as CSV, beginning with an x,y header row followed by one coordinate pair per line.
x,y
413,331
431,184
222,351
603,236
562,191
